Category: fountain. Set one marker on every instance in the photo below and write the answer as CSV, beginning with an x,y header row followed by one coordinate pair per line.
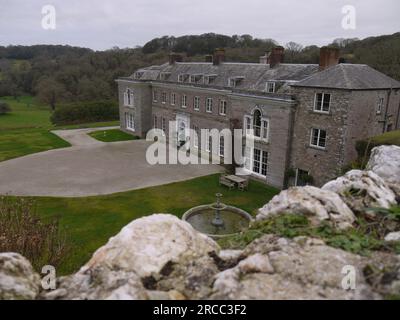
x,y
217,220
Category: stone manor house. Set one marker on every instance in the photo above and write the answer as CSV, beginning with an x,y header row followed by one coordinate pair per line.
x,y
304,118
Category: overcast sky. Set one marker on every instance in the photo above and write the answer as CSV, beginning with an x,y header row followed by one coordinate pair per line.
x,y
101,24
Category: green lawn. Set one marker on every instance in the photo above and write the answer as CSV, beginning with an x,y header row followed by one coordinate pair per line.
x,y
26,129
89,222
20,142
112,135
25,113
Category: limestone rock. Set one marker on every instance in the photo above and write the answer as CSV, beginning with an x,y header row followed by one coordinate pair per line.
x,y
318,205
385,162
302,268
147,244
18,281
99,283
393,237
362,189
154,254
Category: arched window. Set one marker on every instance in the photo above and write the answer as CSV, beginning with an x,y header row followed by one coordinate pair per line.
x,y
257,123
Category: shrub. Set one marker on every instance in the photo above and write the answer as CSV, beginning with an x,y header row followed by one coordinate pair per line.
x,y
4,107
84,112
24,232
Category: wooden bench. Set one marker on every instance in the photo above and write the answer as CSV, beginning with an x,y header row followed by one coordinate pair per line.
x,y
227,183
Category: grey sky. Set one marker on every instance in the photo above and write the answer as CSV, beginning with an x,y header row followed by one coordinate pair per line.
x,y
101,24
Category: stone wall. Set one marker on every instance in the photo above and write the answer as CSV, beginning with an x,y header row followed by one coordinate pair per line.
x,y
325,164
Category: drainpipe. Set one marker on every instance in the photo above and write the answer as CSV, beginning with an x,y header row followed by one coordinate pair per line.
x,y
398,118
385,121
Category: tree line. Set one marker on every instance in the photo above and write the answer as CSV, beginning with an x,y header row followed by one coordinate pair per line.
x,y
58,74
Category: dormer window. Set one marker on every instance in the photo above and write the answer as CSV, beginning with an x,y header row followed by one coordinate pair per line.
x,y
182,77
234,81
208,79
164,76
137,75
194,78
270,87
129,98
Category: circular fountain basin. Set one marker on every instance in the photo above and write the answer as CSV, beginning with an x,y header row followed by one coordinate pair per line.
x,y
201,217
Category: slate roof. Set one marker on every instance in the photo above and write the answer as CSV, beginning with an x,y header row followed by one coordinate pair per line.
x,y
255,75
349,76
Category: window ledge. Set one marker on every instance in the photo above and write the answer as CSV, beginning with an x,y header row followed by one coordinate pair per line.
x,y
317,148
322,112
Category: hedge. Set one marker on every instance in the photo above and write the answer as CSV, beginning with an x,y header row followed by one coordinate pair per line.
x,y
84,112
4,107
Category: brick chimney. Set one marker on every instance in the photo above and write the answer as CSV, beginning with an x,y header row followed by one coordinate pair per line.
x,y
277,56
175,57
208,58
328,57
219,56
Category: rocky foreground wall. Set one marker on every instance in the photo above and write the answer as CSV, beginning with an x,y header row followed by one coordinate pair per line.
x,y
162,257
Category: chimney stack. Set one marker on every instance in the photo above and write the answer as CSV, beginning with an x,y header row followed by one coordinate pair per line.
x,y
219,56
208,58
175,57
277,56
329,56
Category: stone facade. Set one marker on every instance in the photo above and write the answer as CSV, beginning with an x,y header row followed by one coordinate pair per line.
x,y
353,114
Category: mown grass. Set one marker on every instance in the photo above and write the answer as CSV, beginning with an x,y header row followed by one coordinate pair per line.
x,y
26,129
112,135
89,222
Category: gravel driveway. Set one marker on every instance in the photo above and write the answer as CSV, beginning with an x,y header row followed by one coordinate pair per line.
x,y
89,168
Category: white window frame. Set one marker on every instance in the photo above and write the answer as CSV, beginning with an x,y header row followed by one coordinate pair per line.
x,y
263,128
321,110
250,131
184,101
223,104
129,98
155,96
318,138
163,97
249,162
130,121
181,78
221,146
232,82
380,105
196,103
209,105
173,98
192,78
268,87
